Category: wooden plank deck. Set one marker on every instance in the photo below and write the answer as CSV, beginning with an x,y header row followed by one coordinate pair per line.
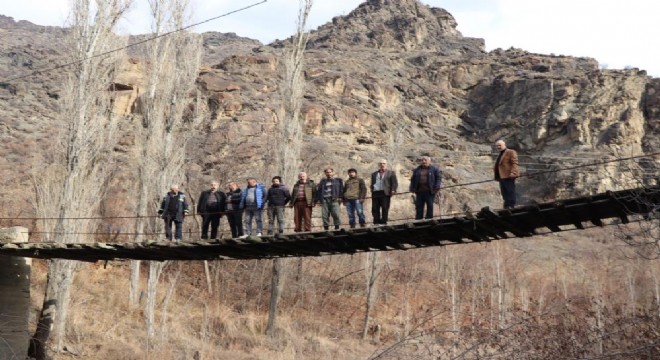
x,y
486,225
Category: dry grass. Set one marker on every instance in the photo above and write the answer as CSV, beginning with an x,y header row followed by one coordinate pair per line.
x,y
557,292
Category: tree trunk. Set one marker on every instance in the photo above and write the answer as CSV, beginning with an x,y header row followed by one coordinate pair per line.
x,y
208,277
372,276
290,135
275,286
68,188
155,270
134,289
52,318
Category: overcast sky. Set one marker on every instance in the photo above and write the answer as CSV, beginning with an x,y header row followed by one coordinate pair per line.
x,y
616,33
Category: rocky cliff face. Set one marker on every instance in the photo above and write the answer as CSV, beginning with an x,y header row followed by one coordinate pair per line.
x,y
392,79
399,25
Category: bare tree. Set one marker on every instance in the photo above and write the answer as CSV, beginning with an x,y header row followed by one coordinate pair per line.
x,y
76,167
169,119
291,133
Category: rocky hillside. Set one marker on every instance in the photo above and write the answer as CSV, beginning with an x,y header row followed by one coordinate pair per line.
x,y
396,79
392,79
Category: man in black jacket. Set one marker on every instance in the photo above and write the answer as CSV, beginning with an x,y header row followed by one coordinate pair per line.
x,y
211,205
425,183
234,212
173,209
278,196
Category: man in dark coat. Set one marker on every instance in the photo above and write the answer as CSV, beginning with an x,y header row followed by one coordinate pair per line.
x,y
173,209
425,183
383,185
277,198
329,193
211,205
234,212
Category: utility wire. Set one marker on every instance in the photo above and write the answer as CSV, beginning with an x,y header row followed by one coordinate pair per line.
x,y
532,174
44,70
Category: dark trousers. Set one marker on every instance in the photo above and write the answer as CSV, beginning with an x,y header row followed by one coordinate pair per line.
x,y
275,212
508,190
235,220
424,198
380,207
169,219
302,213
214,221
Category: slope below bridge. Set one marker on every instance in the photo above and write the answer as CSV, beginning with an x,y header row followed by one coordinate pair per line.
x,y
483,226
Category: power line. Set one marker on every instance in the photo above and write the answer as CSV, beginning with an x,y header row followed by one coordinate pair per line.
x,y
44,70
545,172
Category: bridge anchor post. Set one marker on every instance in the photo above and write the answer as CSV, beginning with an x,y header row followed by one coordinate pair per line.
x,y
14,298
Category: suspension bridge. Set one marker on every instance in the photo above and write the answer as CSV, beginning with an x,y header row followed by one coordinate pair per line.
x,y
609,208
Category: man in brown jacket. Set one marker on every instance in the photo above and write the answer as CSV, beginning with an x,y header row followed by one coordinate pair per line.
x,y
506,172
303,198
355,191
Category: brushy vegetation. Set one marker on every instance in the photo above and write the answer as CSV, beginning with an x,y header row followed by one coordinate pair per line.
x,y
573,295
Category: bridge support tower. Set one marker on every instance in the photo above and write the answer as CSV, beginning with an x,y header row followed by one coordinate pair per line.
x,y
14,298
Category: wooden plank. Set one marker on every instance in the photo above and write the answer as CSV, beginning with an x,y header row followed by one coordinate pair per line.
x,y
496,221
485,226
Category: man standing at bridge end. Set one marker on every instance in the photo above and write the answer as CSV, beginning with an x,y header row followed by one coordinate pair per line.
x,y
173,209
506,172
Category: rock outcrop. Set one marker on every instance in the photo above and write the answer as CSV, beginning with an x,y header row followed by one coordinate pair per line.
x,y
398,25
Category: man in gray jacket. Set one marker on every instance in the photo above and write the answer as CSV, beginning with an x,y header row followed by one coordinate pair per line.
x,y
383,186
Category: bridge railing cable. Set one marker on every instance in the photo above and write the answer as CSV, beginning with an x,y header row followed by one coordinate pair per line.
x,y
116,234
523,175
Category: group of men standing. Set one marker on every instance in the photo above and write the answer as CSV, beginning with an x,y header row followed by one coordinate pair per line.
x,y
245,206
331,192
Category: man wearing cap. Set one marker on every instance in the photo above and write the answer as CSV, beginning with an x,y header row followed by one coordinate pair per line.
x,y
355,191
